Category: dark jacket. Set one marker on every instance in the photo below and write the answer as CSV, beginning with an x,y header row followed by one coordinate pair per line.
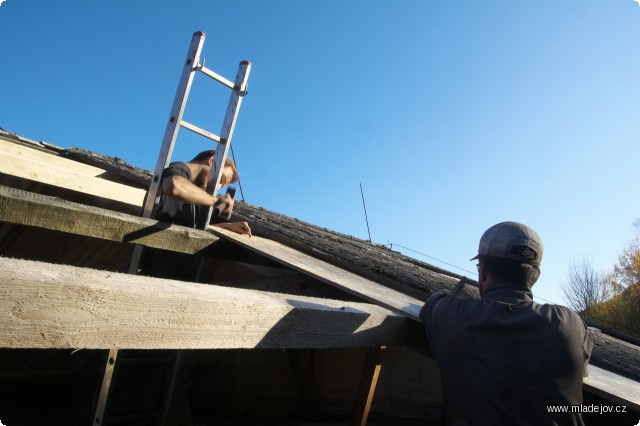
x,y
505,358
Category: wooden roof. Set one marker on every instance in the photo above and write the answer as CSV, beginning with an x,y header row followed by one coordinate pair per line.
x,y
104,177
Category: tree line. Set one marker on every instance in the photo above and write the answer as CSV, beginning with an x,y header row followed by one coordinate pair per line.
x,y
611,298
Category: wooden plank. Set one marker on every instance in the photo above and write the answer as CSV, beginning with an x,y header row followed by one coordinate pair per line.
x,y
613,387
58,306
330,274
26,208
368,383
27,163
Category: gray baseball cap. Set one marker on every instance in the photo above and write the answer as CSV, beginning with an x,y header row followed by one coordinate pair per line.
x,y
511,240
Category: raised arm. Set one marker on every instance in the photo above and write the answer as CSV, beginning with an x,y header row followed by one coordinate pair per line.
x,y
184,190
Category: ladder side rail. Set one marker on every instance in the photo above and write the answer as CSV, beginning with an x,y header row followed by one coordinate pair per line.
x,y
235,100
170,135
175,118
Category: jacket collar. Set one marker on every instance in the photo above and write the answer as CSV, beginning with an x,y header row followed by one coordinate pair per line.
x,y
503,293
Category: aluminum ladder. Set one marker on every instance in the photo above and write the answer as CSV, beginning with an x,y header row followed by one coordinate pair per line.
x,y
223,141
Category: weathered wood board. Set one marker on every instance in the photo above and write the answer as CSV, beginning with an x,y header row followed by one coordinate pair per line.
x,y
330,274
57,306
32,164
26,208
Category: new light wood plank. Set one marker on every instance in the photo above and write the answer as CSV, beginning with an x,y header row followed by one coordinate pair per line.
x,y
26,208
613,386
58,306
330,274
28,163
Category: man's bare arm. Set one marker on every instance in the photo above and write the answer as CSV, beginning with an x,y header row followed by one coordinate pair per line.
x,y
184,190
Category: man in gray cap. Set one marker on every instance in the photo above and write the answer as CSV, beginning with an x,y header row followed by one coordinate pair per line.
x,y
504,358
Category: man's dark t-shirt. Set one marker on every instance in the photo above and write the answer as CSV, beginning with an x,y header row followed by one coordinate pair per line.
x,y
504,358
172,210
167,264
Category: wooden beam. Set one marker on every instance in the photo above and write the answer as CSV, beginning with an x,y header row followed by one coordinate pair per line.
x,y
28,163
330,274
26,208
57,306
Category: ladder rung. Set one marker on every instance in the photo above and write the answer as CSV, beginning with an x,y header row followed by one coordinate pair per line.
x,y
215,76
201,132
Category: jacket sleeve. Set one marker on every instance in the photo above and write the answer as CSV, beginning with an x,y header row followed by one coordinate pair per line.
x,y
431,315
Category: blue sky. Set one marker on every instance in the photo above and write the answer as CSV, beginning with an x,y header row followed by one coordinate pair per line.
x,y
453,115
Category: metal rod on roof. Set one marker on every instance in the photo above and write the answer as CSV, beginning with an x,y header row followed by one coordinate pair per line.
x,y
233,156
365,212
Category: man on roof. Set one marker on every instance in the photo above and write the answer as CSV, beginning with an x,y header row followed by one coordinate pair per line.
x,y
182,193
505,359
182,189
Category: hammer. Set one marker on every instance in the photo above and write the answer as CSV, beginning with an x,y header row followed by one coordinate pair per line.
x,y
221,207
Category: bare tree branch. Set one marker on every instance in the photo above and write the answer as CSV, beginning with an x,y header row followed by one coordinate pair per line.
x,y
585,287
